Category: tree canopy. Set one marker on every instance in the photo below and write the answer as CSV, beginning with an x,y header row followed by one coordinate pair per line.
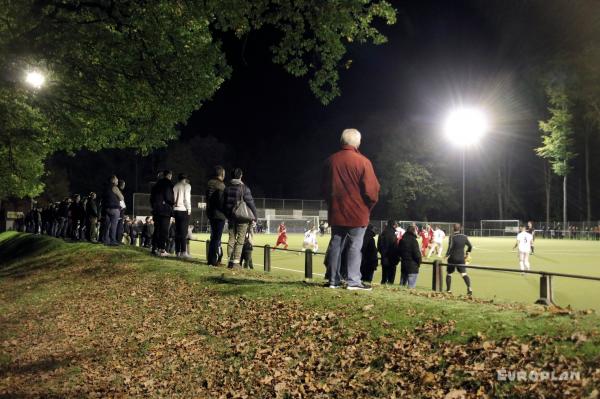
x,y
124,74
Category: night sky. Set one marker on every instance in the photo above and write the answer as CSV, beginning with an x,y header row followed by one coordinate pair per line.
x,y
439,54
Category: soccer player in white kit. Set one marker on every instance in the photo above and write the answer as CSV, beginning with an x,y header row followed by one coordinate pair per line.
x,y
524,240
310,240
438,241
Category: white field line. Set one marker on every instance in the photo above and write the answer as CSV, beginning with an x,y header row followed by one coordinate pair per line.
x,y
541,252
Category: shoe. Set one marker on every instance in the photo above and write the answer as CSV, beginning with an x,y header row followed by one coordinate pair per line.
x,y
164,254
185,255
359,288
469,292
448,292
333,286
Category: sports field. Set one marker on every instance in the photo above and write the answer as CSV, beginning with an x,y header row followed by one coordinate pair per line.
x,y
561,256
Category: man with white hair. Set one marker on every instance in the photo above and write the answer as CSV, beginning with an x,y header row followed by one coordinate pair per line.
x,y
351,190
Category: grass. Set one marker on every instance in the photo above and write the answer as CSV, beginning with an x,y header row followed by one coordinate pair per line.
x,y
559,256
87,320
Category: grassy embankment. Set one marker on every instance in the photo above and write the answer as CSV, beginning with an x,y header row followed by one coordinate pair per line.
x,y
82,320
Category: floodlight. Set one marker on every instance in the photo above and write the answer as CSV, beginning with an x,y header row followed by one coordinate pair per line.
x,y
35,79
465,126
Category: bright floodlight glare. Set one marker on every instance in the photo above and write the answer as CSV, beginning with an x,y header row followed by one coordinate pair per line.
x,y
465,126
35,79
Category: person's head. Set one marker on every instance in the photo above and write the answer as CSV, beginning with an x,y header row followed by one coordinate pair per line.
x,y
121,184
167,174
92,195
411,229
182,177
392,223
76,198
522,227
219,173
237,173
159,175
114,180
350,137
529,224
456,227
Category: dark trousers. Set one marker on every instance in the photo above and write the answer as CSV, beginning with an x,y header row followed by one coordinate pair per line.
x,y
182,221
388,271
367,270
246,260
161,231
110,226
215,252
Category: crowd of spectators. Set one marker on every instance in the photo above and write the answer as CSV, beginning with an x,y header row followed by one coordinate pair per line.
x,y
103,220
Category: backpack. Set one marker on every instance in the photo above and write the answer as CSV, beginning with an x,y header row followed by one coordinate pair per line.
x,y
241,212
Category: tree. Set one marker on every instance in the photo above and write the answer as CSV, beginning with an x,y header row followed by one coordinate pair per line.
x,y
557,140
123,74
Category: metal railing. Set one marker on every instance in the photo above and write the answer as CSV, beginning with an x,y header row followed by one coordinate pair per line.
x,y
546,291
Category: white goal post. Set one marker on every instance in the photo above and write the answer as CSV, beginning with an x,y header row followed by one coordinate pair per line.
x,y
496,227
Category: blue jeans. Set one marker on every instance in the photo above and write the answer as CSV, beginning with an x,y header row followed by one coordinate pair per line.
x,y
215,252
352,239
410,279
111,221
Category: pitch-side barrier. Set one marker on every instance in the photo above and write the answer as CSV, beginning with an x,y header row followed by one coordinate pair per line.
x,y
437,282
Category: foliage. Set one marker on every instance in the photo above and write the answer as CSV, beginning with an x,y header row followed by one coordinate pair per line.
x,y
411,185
196,158
557,142
124,74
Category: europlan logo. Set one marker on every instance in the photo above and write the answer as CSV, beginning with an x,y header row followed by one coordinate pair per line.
x,y
537,375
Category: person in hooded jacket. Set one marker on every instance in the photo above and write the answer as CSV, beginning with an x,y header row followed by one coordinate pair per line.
x,y
410,258
388,248
369,260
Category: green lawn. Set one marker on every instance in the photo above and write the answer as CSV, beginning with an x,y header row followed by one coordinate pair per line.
x,y
562,256
83,320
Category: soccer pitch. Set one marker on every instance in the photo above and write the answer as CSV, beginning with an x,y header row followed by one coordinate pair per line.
x,y
560,256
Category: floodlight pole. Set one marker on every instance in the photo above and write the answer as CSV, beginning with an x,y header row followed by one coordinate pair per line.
x,y
463,189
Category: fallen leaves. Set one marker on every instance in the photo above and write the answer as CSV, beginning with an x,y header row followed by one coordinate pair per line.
x,y
163,336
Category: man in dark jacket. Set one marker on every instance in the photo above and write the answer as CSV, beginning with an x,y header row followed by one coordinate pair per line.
x,y
235,192
162,199
455,257
91,210
216,215
410,256
77,216
388,248
369,261
351,190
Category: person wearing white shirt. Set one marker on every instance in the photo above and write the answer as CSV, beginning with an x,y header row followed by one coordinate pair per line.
x,y
182,210
310,240
438,241
524,241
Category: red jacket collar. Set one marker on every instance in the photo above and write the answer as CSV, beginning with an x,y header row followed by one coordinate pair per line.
x,y
349,148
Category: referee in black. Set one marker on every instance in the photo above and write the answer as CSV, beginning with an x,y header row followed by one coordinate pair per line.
x,y
455,257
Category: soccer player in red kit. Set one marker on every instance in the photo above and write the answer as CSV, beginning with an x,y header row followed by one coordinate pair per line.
x,y
282,237
425,234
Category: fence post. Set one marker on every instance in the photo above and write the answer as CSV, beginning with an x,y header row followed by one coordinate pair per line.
x,y
267,258
207,251
436,276
546,294
308,262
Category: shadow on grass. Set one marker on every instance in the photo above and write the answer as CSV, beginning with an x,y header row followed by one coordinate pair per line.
x,y
24,254
19,246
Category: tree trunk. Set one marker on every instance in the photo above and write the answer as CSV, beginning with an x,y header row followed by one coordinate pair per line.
x,y
588,216
548,189
565,226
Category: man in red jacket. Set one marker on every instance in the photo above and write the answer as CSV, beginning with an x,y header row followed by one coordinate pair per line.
x,y
351,190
